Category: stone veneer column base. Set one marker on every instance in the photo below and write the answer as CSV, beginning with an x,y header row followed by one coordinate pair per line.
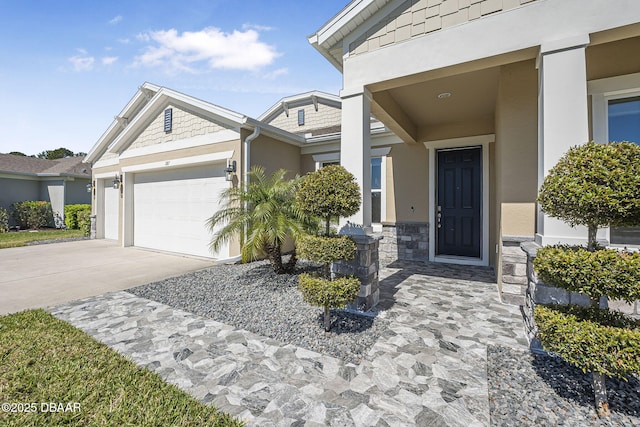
x,y
514,269
365,266
405,241
92,235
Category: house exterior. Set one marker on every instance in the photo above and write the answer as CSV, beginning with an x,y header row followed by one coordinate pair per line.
x,y
61,182
486,95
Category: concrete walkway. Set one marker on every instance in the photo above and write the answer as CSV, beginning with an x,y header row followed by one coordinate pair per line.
x,y
428,370
45,275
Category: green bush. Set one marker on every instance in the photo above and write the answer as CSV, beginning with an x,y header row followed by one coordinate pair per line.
x,y
327,293
602,272
595,185
84,222
593,340
32,214
329,192
4,220
326,249
71,213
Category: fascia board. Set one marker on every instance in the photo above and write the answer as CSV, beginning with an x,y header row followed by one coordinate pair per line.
x,y
329,99
165,97
274,132
115,128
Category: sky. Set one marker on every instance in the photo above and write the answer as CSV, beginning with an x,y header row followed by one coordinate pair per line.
x,y
67,67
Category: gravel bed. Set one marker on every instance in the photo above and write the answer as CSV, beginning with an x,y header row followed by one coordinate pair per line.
x,y
252,297
46,242
543,390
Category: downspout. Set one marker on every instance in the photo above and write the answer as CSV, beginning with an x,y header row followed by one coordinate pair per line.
x,y
247,155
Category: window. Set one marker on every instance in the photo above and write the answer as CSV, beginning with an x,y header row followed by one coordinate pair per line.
x,y
300,117
376,189
623,117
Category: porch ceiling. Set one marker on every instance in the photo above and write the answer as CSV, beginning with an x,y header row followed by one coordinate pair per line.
x,y
413,110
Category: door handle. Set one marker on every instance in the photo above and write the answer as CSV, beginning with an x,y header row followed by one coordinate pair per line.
x,y
439,217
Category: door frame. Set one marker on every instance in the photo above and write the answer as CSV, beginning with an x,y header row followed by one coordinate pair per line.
x,y
470,142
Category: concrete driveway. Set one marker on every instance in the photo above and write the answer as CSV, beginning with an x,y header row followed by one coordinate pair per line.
x,y
47,275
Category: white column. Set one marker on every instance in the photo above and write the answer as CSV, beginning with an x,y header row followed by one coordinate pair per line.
x,y
563,121
126,191
355,151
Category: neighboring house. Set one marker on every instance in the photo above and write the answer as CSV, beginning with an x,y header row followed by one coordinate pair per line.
x,y
486,96
61,182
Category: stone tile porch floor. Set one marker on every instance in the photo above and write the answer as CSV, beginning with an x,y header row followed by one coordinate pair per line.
x,y
428,370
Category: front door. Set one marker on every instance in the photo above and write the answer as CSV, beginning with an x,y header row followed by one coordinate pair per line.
x,y
458,213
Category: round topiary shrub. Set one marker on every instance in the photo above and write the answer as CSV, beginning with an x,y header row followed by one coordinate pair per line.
x,y
326,249
593,340
593,273
327,293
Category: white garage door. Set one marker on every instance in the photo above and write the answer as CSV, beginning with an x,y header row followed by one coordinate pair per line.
x,y
171,209
111,207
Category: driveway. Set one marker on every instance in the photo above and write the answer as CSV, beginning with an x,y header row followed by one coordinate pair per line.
x,y
46,275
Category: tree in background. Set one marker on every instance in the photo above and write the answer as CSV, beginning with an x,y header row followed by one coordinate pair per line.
x,y
18,153
595,185
58,153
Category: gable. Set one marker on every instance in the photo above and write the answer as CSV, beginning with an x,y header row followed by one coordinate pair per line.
x,y
414,18
184,125
326,119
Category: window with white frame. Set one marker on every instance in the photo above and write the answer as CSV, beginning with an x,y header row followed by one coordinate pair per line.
x,y
616,117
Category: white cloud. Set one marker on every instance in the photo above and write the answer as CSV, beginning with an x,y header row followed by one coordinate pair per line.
x,y
124,41
272,75
256,27
81,51
239,50
82,63
108,60
116,20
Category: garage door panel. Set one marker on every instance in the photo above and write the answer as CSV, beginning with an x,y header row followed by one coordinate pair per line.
x,y
171,209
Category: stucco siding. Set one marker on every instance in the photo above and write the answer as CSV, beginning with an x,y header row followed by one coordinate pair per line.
x,y
17,190
418,17
272,155
613,59
407,183
327,116
53,191
76,192
185,125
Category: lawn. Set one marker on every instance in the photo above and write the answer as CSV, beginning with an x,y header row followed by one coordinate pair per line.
x,y
15,239
47,365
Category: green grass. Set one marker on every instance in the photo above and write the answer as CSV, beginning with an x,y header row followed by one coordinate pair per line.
x,y
43,359
15,239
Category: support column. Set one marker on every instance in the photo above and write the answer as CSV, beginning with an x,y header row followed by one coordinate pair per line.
x,y
563,121
355,151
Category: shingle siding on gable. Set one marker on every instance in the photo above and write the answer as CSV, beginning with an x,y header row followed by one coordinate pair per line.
x,y
185,125
326,117
415,18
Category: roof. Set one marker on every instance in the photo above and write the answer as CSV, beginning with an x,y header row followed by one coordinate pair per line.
x,y
23,165
301,98
150,99
328,39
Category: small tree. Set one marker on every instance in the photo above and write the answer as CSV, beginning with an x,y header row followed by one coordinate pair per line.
x,y
328,193
593,185
265,214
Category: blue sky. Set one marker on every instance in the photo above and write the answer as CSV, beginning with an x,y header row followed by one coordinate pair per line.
x,y
68,67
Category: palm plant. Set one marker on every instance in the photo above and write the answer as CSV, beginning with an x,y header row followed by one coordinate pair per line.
x,y
263,212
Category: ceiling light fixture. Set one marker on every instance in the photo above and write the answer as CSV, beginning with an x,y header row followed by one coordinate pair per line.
x,y
444,95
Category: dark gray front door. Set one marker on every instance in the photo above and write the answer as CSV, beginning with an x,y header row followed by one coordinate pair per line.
x,y
458,213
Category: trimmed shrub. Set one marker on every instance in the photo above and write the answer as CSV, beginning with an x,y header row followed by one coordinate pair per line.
x,y
603,272
327,293
330,192
595,185
32,214
326,249
4,220
593,340
84,222
71,213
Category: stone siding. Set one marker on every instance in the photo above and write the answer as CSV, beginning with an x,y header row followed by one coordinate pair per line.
x,y
405,241
415,18
184,125
514,270
326,117
365,266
